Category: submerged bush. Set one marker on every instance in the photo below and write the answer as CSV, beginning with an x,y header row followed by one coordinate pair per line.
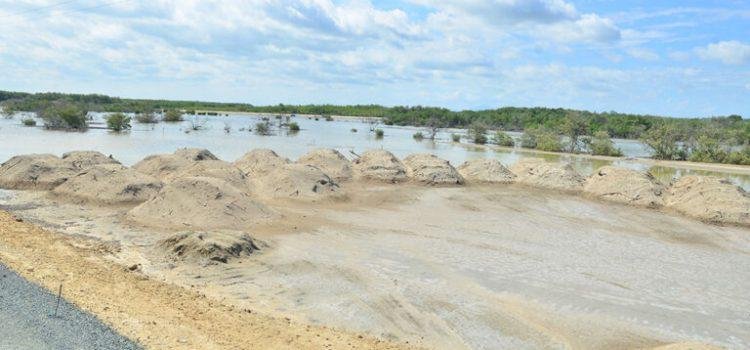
x,y
418,136
477,133
64,116
548,141
118,122
601,144
354,130
379,133
173,115
456,137
262,128
294,127
503,139
146,118
29,122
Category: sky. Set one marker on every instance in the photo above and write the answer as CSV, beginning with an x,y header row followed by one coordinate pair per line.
x,y
681,58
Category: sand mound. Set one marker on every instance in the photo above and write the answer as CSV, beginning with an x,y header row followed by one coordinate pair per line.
x,y
220,245
429,169
34,172
162,166
201,203
109,184
297,181
710,199
625,186
330,161
195,154
379,165
485,170
87,159
259,162
538,173
218,169
687,346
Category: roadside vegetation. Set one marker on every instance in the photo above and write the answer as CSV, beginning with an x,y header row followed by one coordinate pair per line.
x,y
722,139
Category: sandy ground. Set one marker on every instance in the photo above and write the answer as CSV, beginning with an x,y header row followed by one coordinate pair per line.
x,y
158,315
445,268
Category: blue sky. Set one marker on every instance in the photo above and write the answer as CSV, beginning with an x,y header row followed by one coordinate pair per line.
x,y
676,58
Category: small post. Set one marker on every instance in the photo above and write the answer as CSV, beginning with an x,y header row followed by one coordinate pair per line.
x,y
59,295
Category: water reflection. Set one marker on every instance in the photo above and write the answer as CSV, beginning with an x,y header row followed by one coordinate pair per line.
x,y
146,139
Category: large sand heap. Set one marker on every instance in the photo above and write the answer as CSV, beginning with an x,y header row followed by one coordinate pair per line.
x,y
430,169
538,173
218,245
330,161
218,169
625,186
87,159
709,199
259,162
200,203
195,154
34,172
109,184
297,181
379,165
485,170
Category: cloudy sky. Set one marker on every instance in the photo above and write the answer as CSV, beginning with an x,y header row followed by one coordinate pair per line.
x,y
669,57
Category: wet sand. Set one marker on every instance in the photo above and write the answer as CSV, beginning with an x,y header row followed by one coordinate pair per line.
x,y
472,267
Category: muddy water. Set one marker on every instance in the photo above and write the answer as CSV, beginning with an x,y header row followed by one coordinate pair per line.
x,y
144,139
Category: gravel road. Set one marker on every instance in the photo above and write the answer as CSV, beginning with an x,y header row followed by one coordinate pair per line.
x,y
27,320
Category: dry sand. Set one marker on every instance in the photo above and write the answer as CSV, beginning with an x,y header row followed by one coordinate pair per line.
x,y
330,161
538,173
297,182
34,172
260,162
485,170
87,159
380,166
625,186
214,246
109,184
710,199
431,170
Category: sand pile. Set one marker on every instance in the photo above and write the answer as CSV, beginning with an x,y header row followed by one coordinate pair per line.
x,y
219,245
625,186
431,170
201,203
538,173
109,184
379,165
297,181
34,172
195,154
87,159
218,169
709,199
485,171
259,162
330,161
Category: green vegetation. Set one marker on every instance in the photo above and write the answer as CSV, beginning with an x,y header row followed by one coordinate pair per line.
x,y
263,128
294,127
601,144
456,137
379,133
118,122
354,130
418,136
146,118
173,115
64,116
503,139
29,122
715,139
478,133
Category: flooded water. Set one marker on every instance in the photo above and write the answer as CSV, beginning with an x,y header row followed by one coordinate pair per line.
x,y
228,137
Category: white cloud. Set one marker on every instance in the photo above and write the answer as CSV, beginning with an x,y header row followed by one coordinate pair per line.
x,y
643,54
588,28
728,52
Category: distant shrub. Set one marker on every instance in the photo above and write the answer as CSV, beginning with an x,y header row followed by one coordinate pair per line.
x,y
601,144
456,137
263,128
418,136
328,118
548,141
146,118
478,133
294,127
379,133
118,122
528,139
354,130
741,157
29,122
64,116
174,115
503,139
